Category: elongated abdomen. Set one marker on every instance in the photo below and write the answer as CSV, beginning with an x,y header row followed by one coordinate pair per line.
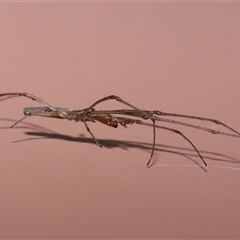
x,y
45,112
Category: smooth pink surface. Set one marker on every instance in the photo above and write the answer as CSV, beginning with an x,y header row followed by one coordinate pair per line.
x,y
176,57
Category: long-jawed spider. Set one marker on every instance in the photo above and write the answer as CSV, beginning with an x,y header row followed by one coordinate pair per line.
x,y
112,118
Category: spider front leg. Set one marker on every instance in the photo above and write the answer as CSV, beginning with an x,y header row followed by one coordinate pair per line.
x,y
5,96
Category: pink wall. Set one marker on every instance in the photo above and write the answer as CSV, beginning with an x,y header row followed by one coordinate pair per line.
x,y
176,57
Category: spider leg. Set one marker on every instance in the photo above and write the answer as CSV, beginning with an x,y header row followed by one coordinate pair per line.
x,y
114,97
18,121
195,117
113,121
5,96
198,127
106,119
174,131
137,113
88,129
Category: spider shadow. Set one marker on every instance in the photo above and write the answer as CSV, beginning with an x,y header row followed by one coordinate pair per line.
x,y
37,132
125,145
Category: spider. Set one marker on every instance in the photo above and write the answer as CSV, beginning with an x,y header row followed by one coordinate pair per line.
x,y
111,118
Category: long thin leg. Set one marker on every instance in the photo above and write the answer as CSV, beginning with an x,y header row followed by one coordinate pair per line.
x,y
124,121
113,97
194,117
18,121
88,129
140,114
172,130
5,96
28,95
201,128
